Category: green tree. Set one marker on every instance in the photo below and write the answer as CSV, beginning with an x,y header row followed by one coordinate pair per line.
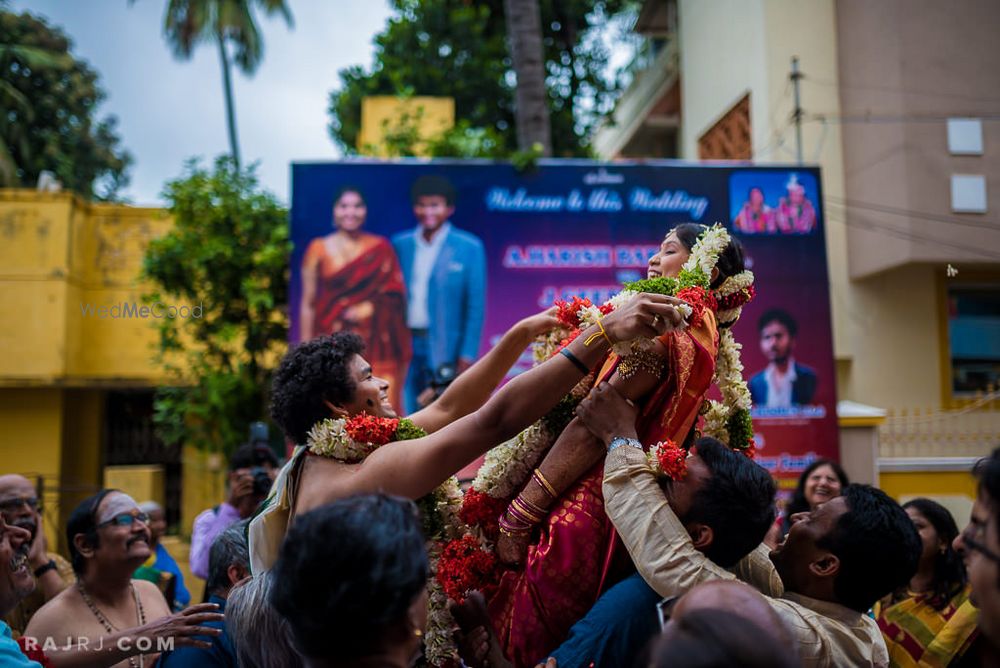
x,y
227,252
230,24
459,49
49,120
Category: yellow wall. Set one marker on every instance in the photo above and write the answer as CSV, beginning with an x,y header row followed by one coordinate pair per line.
x,y
58,254
32,443
898,484
430,115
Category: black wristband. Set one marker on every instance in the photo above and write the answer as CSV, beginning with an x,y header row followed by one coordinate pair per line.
x,y
45,568
575,360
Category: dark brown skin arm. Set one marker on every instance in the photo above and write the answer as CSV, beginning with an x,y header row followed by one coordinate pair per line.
x,y
414,468
473,387
577,450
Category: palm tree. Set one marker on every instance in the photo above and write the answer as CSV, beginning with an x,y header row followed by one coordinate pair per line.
x,y
188,23
15,103
524,30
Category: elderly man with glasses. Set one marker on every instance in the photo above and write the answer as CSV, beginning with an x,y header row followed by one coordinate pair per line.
x,y
119,619
20,507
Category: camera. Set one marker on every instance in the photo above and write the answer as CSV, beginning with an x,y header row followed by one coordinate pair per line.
x,y
261,481
442,378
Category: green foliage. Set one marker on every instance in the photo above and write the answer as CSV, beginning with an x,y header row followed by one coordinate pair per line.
x,y
692,277
407,430
665,285
662,285
740,429
228,251
458,49
49,120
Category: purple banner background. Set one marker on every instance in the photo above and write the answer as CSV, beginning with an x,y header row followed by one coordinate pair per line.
x,y
582,228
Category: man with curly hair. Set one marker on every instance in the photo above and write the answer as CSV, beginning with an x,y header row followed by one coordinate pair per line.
x,y
328,378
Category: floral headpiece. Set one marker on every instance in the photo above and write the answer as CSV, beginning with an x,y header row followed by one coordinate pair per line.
x,y
729,420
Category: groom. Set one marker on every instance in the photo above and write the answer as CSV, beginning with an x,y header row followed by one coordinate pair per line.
x,y
445,273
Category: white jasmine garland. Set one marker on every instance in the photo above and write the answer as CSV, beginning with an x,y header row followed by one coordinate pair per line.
x,y
438,643
734,284
328,438
705,254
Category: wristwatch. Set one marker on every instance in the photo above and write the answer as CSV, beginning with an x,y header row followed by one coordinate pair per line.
x,y
621,440
45,568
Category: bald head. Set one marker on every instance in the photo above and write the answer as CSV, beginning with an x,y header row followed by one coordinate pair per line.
x,y
737,598
13,485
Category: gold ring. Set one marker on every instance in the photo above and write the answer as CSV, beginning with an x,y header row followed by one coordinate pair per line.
x,y
656,320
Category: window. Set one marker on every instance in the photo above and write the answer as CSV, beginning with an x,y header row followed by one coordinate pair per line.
x,y
968,193
974,338
965,136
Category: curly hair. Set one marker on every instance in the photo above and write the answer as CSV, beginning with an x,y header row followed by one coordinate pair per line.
x,y
309,374
949,569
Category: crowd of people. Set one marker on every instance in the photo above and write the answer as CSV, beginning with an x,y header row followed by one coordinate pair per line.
x,y
620,519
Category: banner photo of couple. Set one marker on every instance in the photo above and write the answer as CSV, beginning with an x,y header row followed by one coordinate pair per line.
x,y
431,261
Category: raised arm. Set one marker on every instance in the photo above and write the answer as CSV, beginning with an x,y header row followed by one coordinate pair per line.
x,y
471,389
575,451
414,468
660,546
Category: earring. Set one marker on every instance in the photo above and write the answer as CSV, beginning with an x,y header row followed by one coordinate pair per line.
x,y
418,633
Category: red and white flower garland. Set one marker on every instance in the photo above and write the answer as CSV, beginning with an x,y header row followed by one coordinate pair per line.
x,y
455,553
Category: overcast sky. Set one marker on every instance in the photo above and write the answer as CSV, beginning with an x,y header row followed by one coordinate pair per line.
x,y
169,110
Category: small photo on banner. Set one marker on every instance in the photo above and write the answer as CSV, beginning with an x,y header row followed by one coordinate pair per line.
x,y
773,203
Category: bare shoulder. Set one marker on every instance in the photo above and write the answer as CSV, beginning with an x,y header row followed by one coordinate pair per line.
x,y
152,599
322,480
52,616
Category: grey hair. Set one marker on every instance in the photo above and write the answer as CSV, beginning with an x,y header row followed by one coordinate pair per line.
x,y
229,548
150,507
262,637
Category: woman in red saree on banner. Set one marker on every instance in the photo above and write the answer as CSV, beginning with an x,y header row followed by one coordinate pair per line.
x,y
351,281
555,531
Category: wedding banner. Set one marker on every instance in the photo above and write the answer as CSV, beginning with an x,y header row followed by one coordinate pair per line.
x,y
580,228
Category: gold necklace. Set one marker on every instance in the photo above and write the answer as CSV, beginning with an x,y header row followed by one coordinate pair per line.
x,y
106,623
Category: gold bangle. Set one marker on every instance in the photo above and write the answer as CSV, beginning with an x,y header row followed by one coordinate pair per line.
x,y
521,509
545,484
595,335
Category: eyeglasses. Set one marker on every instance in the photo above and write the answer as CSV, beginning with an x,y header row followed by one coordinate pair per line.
x,y
125,520
974,537
10,505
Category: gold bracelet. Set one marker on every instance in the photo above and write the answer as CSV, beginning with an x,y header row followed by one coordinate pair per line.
x,y
595,335
544,484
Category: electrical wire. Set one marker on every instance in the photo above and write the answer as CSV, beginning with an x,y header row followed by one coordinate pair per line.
x,y
870,225
909,213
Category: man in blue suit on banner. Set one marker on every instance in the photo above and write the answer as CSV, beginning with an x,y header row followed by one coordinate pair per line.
x,y
445,273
